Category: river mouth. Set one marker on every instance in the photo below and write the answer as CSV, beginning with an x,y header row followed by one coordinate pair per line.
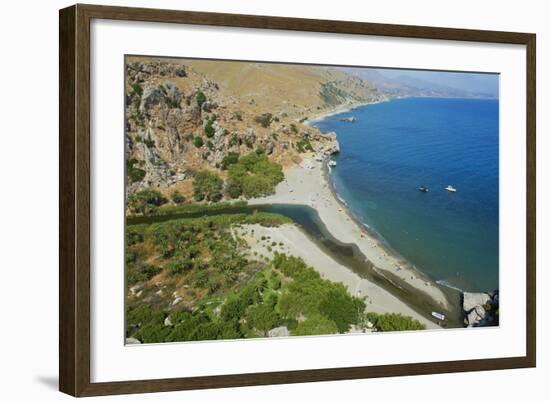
x,y
349,255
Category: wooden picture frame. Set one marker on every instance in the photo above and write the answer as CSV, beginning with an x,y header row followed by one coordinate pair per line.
x,y
75,207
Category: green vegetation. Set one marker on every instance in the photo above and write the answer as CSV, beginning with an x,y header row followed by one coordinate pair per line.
x,y
138,272
293,128
394,322
264,119
136,90
253,175
198,142
332,95
234,141
229,159
207,185
209,127
135,174
194,208
149,142
201,98
145,201
304,146
234,297
310,296
177,197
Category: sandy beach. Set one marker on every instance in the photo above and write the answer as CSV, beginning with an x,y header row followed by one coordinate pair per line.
x,y
306,184
296,243
338,110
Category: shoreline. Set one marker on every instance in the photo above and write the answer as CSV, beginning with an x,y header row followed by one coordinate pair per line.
x,y
340,109
292,240
307,184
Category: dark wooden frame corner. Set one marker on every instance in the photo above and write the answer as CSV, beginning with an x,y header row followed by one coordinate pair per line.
x,y
74,199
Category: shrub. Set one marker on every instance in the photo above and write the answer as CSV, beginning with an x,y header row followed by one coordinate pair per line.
x,y
134,173
145,201
315,325
234,141
178,266
209,128
207,185
149,142
263,317
234,189
140,272
137,90
293,128
201,98
264,119
304,146
198,142
394,322
230,158
177,197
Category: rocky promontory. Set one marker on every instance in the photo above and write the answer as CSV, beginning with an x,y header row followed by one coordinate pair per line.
x,y
480,309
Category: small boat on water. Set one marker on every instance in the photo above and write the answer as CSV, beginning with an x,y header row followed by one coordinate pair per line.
x,y
450,188
348,119
423,189
332,163
438,315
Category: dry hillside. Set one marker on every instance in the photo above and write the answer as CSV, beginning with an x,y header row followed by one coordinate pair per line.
x,y
183,116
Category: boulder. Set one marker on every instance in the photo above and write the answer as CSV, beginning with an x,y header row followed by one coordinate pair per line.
x,y
269,147
151,96
476,316
132,341
168,321
172,94
281,331
473,299
137,288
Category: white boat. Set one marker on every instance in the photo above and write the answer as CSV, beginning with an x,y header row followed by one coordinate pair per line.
x,y
332,163
438,315
450,188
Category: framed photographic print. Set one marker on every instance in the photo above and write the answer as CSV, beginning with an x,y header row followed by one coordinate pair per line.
x,y
250,200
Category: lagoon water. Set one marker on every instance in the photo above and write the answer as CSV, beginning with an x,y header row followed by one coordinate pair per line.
x,y
396,146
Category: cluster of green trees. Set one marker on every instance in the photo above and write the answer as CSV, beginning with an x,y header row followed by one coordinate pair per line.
x,y
145,201
207,186
231,295
304,146
328,305
253,175
200,97
394,322
264,119
284,292
209,126
134,173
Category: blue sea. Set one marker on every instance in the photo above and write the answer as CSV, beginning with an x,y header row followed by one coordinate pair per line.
x,y
396,146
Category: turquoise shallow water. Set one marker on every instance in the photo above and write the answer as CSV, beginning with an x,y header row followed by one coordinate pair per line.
x,y
396,146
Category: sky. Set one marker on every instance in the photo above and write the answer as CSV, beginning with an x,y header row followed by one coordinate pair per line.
x,y
474,82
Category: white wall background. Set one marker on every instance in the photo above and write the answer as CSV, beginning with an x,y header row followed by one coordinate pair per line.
x,y
28,197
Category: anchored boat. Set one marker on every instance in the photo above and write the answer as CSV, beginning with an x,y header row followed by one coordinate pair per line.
x,y
438,315
450,188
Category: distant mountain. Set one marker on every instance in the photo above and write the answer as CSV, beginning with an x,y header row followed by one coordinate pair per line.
x,y
403,85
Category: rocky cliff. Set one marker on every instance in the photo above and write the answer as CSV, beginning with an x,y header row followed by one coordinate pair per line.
x,y
480,308
183,116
